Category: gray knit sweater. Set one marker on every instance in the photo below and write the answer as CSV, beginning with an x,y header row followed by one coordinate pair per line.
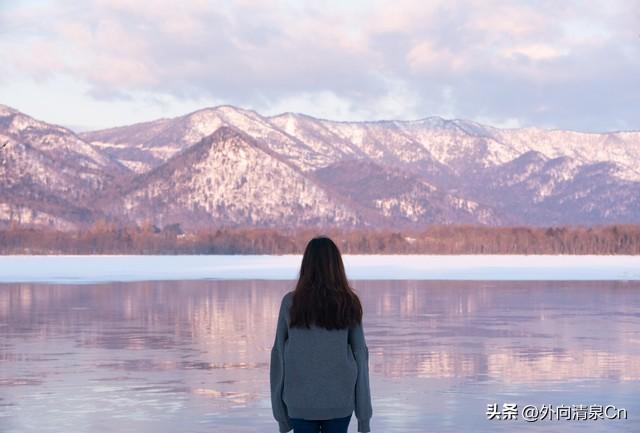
x,y
318,373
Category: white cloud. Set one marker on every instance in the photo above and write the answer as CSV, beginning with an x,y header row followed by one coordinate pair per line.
x,y
490,59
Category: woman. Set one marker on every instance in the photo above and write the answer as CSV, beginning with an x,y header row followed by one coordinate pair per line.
x,y
319,360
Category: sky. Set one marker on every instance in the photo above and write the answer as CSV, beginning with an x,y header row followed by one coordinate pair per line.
x,y
570,64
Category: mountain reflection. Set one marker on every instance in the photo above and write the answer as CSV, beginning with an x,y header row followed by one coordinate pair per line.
x,y
203,346
510,331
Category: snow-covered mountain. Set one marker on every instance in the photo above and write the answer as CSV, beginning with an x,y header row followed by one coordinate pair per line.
x,y
48,175
234,167
230,177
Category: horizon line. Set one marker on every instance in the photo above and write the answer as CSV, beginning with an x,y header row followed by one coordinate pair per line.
x,y
81,129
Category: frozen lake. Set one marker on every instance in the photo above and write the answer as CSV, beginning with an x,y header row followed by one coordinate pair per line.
x,y
88,269
192,356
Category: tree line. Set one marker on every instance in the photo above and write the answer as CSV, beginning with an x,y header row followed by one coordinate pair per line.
x,y
106,238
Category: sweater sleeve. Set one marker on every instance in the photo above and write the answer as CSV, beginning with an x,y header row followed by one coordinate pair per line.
x,y
363,407
276,373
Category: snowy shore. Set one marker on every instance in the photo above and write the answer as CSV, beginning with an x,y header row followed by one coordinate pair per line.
x,y
72,269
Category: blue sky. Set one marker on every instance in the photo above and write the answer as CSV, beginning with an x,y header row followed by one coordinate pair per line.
x,y
99,63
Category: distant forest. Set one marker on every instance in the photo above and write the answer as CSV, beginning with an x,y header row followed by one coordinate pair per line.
x,y
106,238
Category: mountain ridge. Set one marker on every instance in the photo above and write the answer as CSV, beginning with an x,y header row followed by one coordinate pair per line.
x,y
389,173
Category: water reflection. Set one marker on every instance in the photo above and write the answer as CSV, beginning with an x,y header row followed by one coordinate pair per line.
x,y
193,356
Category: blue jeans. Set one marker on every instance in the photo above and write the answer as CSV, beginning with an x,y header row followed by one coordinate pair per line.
x,y
335,425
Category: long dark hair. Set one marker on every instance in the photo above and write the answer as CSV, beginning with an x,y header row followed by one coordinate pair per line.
x,y
322,296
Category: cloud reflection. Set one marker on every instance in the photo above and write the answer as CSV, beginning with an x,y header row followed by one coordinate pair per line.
x,y
198,346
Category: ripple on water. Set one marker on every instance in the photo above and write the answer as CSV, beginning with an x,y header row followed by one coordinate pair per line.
x,y
156,357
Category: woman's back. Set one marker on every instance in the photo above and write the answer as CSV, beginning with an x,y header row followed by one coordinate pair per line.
x,y
320,372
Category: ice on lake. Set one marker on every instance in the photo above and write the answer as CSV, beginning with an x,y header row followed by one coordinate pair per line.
x,y
192,356
91,269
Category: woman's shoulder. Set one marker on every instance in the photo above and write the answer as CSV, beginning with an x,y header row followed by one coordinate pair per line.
x,y
288,298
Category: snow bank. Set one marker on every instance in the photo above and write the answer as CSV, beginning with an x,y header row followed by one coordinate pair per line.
x,y
90,269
